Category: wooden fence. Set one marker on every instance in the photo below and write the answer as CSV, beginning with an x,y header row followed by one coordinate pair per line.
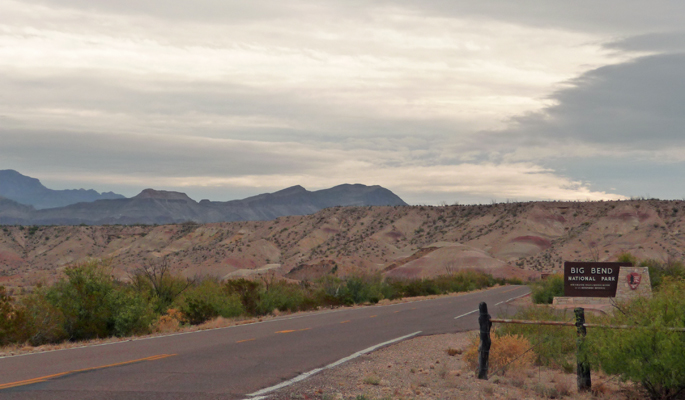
x,y
582,365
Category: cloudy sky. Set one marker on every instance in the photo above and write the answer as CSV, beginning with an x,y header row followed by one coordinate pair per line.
x,y
437,100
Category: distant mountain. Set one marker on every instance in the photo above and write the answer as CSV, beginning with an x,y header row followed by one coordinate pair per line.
x,y
297,200
164,207
29,191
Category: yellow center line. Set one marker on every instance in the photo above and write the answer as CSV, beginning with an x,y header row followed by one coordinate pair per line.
x,y
373,316
397,311
294,330
48,377
344,322
506,291
246,340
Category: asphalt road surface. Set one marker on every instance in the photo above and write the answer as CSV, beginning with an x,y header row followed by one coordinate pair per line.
x,y
241,362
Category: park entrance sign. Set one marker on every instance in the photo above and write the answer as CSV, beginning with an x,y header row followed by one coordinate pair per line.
x,y
591,279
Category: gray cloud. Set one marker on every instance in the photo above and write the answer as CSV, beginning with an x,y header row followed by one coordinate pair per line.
x,y
613,16
638,105
662,42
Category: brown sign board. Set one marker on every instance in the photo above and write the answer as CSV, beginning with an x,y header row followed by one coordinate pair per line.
x,y
591,279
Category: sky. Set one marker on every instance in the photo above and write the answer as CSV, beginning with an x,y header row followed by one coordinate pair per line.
x,y
440,101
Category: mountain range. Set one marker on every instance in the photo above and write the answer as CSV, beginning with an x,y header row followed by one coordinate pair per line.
x,y
165,207
29,191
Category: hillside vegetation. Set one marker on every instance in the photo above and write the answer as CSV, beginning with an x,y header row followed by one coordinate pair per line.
x,y
505,240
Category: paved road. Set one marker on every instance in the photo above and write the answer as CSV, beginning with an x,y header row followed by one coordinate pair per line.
x,y
231,363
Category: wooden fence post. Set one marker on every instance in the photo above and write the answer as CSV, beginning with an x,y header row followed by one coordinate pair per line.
x,y
583,366
485,342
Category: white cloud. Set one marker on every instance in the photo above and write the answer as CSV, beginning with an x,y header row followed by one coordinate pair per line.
x,y
417,97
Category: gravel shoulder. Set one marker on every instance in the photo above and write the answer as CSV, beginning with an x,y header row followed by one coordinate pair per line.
x,y
421,368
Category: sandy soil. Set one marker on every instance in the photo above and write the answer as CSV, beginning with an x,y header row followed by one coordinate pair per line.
x,y
421,368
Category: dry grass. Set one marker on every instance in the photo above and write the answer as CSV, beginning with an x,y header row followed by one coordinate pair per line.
x,y
562,386
169,322
507,352
453,352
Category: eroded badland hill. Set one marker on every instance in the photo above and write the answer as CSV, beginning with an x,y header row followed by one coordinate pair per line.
x,y
513,239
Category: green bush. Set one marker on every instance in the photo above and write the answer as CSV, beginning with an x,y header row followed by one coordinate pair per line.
x,y
209,300
361,289
247,291
283,296
545,290
92,305
651,354
158,285
554,345
659,271
83,298
41,322
131,313
8,318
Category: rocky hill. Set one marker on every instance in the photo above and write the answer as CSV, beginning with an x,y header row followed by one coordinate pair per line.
x,y
164,207
29,191
517,239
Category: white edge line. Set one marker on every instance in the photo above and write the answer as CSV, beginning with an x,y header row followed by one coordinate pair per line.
x,y
253,396
517,297
513,298
468,313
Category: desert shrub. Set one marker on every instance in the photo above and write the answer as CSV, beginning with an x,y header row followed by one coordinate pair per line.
x,y
544,291
209,300
281,297
507,352
650,355
327,290
420,287
83,298
131,314
331,290
362,289
514,281
248,292
157,284
554,345
94,305
9,319
660,271
169,322
41,322
628,258
464,281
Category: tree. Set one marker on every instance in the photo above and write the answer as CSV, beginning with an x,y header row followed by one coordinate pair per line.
x,y
161,286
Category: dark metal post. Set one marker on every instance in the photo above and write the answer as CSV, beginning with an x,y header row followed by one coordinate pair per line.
x,y
583,366
485,342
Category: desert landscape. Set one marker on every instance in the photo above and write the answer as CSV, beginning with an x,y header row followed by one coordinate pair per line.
x,y
505,239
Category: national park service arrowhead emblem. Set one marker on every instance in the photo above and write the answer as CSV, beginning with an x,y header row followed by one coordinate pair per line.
x,y
634,280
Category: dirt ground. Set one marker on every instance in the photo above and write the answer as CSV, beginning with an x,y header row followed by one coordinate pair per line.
x,y
421,368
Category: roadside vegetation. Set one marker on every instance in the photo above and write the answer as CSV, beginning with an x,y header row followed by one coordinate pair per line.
x,y
88,303
545,290
649,355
